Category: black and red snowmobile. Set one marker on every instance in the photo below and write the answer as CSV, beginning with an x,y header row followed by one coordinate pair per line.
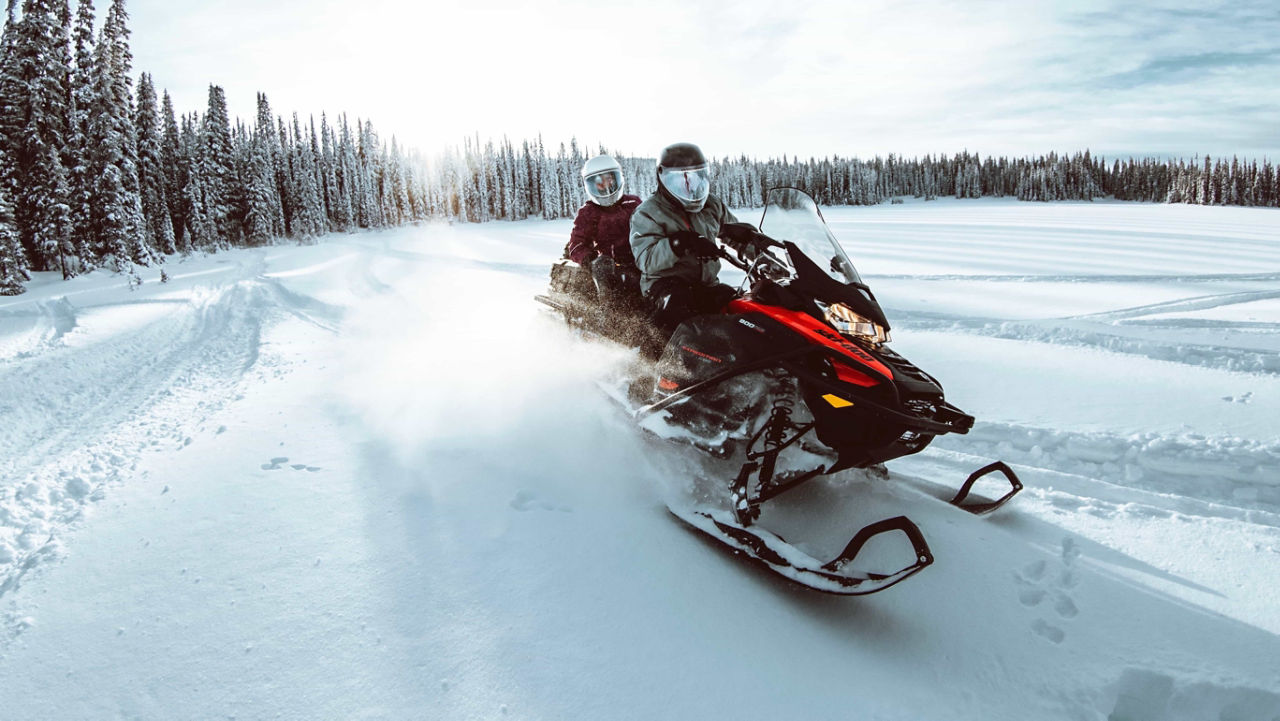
x,y
793,380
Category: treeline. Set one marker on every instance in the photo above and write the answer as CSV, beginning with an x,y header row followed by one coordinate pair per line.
x,y
841,181
92,176
500,182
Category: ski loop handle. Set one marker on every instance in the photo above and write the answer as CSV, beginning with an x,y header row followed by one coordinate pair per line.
x,y
1015,485
924,556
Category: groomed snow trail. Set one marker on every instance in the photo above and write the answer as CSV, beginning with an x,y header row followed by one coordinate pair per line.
x,y
369,479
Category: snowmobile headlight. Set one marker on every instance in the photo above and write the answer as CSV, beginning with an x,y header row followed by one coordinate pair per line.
x,y
844,319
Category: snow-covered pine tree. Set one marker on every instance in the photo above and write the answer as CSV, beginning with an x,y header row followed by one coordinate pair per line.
x,y
120,103
13,262
80,181
264,218
338,203
198,227
34,116
175,165
216,168
371,157
348,175
275,159
397,186
308,213
158,224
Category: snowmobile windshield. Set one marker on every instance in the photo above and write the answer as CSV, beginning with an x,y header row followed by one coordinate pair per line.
x,y
689,185
790,214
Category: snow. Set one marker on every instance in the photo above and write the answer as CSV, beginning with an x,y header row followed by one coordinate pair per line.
x,y
368,478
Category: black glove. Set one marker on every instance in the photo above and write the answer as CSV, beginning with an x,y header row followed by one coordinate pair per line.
x,y
687,242
744,238
736,234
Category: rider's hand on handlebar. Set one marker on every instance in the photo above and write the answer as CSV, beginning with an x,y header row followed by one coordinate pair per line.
x,y
744,238
687,242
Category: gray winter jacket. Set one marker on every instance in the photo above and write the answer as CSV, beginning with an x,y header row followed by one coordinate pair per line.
x,y
658,218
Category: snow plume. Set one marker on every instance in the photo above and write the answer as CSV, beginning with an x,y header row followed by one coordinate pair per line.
x,y
458,364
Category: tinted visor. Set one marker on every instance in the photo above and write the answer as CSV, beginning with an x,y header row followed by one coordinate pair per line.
x,y
603,184
687,184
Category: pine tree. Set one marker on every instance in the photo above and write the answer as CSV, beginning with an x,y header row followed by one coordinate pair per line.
x,y
348,181
115,219
175,166
264,216
157,223
308,215
79,177
34,117
13,262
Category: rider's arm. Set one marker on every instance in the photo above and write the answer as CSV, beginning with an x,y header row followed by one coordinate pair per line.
x,y
582,241
649,244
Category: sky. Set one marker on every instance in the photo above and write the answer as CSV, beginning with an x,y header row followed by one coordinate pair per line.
x,y
1118,77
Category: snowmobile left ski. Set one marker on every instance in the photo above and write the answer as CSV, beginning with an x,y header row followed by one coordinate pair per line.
x,y
792,381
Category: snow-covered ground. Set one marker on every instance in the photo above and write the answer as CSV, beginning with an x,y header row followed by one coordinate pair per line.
x,y
370,479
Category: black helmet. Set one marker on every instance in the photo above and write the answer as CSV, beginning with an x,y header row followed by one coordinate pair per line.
x,y
681,155
684,175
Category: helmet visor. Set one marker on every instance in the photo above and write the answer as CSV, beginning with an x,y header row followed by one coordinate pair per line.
x,y
603,184
690,185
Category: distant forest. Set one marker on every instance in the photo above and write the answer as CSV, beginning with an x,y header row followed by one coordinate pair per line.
x,y
95,172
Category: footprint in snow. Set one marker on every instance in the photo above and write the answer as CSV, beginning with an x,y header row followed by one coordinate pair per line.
x,y
1032,597
1049,632
526,501
278,462
1038,585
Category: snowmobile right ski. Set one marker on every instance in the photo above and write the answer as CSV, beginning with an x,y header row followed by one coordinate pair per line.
x,y
838,576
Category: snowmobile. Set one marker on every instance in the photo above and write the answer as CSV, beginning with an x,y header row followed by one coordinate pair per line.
x,y
793,380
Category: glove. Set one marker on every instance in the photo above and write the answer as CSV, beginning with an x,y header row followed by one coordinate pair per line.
x,y
687,242
744,238
735,234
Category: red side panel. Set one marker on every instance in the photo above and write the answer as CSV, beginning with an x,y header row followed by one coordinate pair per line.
x,y
849,375
819,333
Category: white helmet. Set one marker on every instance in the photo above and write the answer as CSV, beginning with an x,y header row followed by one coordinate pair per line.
x,y
602,177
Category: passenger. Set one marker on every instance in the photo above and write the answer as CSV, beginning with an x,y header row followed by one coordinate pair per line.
x,y
600,237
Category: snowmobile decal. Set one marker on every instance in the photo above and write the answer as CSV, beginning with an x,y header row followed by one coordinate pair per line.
x,y
836,401
812,329
700,354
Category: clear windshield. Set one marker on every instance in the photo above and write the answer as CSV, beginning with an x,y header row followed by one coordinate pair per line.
x,y
790,214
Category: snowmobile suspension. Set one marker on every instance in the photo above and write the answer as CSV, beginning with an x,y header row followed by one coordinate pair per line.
x,y
775,436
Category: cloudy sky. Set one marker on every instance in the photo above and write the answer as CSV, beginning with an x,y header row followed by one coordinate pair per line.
x,y
760,78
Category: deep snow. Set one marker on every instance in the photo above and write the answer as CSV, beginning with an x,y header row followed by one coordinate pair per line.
x,y
370,479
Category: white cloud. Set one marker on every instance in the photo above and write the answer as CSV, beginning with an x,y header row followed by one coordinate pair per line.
x,y
807,78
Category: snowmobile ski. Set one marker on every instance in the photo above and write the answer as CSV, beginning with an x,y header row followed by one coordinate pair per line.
x,y
836,576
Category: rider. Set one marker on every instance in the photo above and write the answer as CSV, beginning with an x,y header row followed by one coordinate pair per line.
x,y
673,239
599,239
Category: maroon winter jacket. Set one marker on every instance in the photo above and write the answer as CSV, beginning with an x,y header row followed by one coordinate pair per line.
x,y
603,229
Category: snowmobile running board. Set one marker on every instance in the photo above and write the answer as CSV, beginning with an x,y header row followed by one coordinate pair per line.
x,y
791,563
